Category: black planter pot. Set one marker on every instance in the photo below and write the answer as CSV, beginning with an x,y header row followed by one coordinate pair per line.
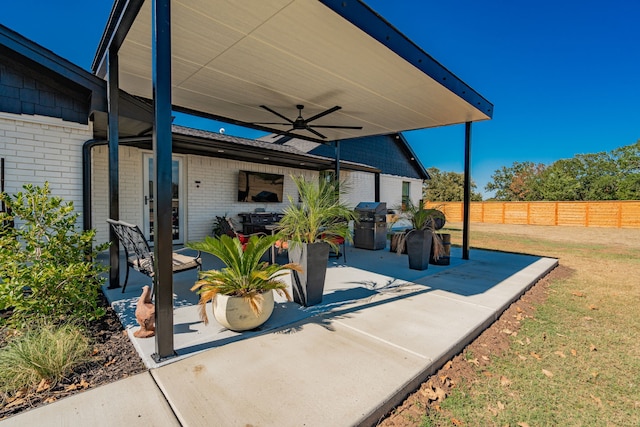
x,y
419,248
308,286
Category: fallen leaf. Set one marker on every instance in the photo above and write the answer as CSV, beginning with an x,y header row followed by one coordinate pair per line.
x,y
71,387
434,394
592,348
587,318
16,402
485,358
110,362
44,385
574,352
440,393
448,365
504,381
507,331
50,400
536,355
518,309
84,384
487,374
547,373
501,406
522,357
456,422
523,424
520,342
95,351
578,294
559,353
528,340
593,307
594,374
474,361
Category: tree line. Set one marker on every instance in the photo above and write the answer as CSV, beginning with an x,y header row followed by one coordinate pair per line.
x,y
613,175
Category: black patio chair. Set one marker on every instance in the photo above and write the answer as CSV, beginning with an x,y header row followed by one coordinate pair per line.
x,y
139,255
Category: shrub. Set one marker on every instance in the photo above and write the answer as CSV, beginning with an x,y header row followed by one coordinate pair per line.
x,y
42,352
47,268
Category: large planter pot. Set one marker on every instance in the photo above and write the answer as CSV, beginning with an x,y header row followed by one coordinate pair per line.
x,y
308,286
235,313
419,248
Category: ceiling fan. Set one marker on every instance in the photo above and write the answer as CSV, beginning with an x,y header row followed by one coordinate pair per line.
x,y
301,123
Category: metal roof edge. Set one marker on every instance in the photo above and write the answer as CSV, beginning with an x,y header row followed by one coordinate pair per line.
x,y
187,132
413,155
373,24
121,18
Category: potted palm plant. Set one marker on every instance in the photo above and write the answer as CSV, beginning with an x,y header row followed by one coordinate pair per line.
x,y
241,292
421,242
311,227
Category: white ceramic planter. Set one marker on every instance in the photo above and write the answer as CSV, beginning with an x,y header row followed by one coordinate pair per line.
x,y
235,313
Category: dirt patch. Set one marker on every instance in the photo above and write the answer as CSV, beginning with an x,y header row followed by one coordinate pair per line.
x,y
464,368
113,357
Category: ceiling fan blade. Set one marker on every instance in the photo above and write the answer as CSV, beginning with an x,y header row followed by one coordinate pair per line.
x,y
276,113
324,113
270,123
316,132
335,127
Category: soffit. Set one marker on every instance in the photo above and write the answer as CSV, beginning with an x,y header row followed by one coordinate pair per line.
x,y
230,57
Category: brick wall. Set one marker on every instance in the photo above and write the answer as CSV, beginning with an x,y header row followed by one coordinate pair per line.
x,y
215,195
391,190
38,149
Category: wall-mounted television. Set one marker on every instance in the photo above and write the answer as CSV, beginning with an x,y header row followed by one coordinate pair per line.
x,y
260,187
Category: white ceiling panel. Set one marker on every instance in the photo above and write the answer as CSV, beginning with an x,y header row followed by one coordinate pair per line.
x,y
230,57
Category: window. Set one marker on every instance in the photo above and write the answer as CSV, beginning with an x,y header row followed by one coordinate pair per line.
x,y
406,194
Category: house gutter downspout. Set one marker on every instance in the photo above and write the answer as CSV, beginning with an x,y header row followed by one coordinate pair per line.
x,y
86,181
87,216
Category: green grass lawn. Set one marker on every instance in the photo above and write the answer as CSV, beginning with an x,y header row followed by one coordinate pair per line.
x,y
577,361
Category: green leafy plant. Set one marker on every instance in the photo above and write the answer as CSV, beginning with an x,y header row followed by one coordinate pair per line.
x,y
319,216
217,229
43,352
245,275
47,268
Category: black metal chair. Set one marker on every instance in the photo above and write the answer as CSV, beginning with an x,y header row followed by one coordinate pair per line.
x,y
139,255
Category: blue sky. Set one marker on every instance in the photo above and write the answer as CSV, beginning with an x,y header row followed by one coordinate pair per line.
x,y
562,75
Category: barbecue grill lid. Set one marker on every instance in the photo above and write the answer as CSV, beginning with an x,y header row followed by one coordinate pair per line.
x,y
375,207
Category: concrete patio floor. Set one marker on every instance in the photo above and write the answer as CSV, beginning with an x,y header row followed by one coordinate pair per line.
x,y
380,331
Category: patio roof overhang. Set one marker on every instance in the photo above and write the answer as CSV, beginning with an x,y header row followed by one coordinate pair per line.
x,y
231,57
224,59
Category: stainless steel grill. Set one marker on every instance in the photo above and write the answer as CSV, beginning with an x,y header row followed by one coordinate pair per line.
x,y
371,231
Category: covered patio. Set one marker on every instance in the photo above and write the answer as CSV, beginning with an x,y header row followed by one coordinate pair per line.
x,y
370,282
355,74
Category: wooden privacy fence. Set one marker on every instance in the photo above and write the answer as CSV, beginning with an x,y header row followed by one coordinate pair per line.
x,y
620,214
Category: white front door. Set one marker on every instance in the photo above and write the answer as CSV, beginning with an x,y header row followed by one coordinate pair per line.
x,y
177,199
